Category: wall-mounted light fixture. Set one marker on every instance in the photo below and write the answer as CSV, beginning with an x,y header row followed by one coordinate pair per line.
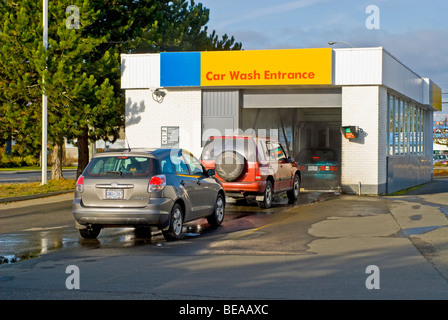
x,y
158,94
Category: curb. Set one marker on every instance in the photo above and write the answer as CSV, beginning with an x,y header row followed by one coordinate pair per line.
x,y
33,196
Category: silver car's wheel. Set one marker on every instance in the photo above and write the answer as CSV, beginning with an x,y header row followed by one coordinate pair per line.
x,y
218,213
174,231
90,232
142,232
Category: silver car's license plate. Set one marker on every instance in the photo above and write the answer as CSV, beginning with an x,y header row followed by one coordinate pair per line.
x,y
114,194
312,168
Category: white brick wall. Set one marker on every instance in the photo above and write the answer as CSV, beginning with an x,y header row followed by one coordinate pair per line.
x,y
145,117
364,159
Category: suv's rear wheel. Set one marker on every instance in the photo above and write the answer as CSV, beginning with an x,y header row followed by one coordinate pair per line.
x,y
267,196
293,194
229,165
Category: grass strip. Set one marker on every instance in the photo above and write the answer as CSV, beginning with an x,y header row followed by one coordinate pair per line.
x,y
23,189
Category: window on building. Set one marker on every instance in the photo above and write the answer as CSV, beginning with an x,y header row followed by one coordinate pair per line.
x,y
391,126
405,127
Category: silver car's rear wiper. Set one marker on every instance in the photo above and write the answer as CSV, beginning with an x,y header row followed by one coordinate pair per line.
x,y
114,172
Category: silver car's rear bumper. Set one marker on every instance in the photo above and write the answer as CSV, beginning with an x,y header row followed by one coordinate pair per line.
x,y
156,213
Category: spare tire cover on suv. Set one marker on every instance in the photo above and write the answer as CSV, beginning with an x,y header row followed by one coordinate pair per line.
x,y
229,165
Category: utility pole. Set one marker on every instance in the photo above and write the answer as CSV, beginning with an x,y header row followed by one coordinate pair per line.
x,y
44,100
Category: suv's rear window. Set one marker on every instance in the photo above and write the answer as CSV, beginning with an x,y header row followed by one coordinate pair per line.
x,y
215,146
122,165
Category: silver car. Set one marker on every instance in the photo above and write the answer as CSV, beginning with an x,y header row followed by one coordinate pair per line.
x,y
146,187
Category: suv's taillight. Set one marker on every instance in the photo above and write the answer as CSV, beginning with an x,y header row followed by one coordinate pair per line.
x,y
80,184
257,172
157,183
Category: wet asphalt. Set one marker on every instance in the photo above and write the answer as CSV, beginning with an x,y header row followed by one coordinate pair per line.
x,y
29,228
318,248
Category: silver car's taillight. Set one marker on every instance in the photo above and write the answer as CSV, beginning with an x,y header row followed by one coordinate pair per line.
x,y
80,184
157,183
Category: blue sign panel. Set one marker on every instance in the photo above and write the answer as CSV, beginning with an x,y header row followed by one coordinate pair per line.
x,y
180,69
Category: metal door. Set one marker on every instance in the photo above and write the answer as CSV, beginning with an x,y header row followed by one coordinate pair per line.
x,y
220,112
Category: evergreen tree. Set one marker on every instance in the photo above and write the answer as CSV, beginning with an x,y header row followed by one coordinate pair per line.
x,y
81,66
180,25
82,101
79,105
20,93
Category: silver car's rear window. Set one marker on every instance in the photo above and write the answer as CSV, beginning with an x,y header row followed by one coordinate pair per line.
x,y
122,166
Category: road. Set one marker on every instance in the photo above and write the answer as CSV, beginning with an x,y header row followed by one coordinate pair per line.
x,y
311,250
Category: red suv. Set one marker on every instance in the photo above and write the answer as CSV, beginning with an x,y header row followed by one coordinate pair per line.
x,y
252,166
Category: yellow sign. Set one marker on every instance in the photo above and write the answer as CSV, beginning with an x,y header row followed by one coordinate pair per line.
x,y
436,97
266,67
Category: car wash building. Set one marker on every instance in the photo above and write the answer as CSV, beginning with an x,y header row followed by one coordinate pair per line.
x,y
362,106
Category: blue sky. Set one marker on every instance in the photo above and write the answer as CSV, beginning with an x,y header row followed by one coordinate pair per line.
x,y
414,31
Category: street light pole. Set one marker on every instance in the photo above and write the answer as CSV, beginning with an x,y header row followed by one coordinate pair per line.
x,y
44,100
333,42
